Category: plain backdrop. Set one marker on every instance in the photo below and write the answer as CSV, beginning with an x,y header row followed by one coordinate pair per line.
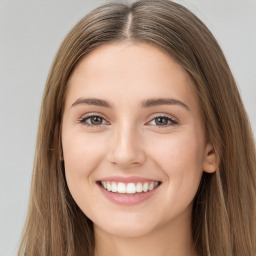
x,y
30,34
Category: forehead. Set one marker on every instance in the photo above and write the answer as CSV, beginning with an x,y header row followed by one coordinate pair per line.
x,y
126,69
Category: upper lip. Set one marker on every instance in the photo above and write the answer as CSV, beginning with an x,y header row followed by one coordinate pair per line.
x,y
127,179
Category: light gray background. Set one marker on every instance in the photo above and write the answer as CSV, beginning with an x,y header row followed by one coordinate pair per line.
x,y
30,34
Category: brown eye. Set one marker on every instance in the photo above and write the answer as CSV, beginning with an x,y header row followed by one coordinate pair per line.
x,y
162,121
93,120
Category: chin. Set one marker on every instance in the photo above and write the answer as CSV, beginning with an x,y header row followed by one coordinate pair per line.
x,y
128,231
129,228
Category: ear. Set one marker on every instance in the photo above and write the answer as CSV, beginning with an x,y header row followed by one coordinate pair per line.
x,y
210,159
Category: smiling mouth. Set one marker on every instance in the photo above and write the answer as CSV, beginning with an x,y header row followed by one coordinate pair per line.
x,y
128,188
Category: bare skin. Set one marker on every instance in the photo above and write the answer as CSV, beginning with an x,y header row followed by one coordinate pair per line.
x,y
131,111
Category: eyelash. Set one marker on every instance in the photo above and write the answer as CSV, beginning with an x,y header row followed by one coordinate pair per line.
x,y
171,121
84,119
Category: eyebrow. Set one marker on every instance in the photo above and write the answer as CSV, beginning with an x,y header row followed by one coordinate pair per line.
x,y
92,101
145,104
163,101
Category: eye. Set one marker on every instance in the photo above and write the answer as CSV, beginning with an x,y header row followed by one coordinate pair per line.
x,y
93,120
162,121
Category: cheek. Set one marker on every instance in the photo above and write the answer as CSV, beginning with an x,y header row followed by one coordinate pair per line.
x,y
180,158
81,154
179,152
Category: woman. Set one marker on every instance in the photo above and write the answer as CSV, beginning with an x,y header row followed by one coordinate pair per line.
x,y
144,146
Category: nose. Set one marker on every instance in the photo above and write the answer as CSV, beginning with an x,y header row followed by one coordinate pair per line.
x,y
126,149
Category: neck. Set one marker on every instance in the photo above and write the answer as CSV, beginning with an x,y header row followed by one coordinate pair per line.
x,y
173,238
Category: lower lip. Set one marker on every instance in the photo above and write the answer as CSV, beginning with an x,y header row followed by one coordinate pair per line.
x,y
126,199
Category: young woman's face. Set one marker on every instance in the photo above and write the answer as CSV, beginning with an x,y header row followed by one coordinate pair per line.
x,y
132,123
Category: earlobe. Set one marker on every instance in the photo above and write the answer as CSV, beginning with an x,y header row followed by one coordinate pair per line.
x,y
210,159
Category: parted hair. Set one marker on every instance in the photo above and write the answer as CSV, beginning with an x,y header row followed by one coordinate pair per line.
x,y
224,208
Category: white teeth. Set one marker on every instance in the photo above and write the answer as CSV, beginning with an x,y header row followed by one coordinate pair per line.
x,y
129,188
145,187
151,186
139,188
114,187
121,188
109,186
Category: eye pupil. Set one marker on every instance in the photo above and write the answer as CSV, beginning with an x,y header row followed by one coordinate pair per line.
x,y
161,121
96,120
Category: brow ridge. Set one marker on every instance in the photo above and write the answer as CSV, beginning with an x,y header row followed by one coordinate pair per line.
x,y
145,104
163,101
92,101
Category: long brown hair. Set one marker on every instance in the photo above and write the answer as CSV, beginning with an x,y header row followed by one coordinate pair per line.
x,y
224,212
